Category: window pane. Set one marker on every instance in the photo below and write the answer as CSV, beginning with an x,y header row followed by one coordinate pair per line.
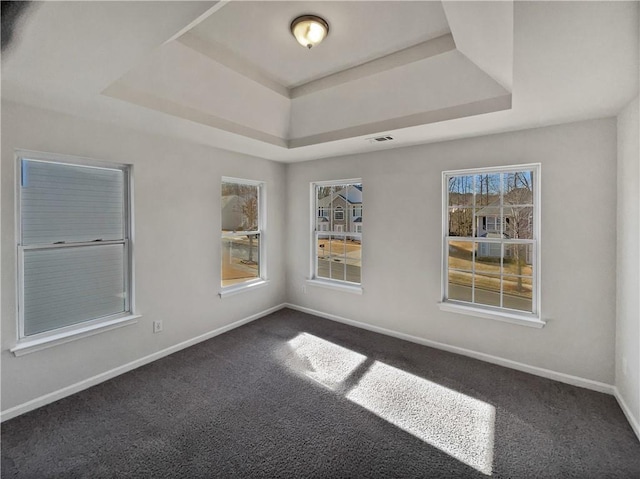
x,y
338,269
461,255
324,256
240,207
65,286
487,190
353,259
518,221
488,257
518,292
518,188
460,284
240,259
518,259
460,191
61,202
487,289
461,222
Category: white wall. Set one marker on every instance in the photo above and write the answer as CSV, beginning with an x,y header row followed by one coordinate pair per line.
x,y
628,276
402,245
177,246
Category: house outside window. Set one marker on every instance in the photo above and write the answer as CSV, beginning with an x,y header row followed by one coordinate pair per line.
x,y
74,251
337,242
491,224
242,215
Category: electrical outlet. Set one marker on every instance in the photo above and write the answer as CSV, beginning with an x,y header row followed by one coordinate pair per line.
x,y
625,366
304,289
157,326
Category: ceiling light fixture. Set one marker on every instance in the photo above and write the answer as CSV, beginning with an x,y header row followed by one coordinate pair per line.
x,y
309,30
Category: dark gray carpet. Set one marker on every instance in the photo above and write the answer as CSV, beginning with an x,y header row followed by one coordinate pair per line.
x,y
292,395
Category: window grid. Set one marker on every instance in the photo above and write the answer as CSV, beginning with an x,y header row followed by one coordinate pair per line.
x,y
242,232
476,242
336,248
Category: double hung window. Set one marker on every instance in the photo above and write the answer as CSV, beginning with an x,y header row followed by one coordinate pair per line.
x,y
73,244
491,224
242,233
337,231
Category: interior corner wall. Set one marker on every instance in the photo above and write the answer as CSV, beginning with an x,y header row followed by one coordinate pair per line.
x,y
177,188
628,270
401,252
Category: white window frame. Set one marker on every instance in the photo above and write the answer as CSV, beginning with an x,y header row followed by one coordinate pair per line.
x,y
261,280
533,319
35,342
314,279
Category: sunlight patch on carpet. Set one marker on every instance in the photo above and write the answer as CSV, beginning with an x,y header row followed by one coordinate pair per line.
x,y
323,361
459,425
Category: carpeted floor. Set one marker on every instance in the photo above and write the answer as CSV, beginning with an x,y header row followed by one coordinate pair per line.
x,y
292,395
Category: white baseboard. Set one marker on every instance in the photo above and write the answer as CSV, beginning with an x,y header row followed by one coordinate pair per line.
x,y
635,424
92,381
545,373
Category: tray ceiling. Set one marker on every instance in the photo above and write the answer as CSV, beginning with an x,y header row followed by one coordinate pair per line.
x,y
385,65
492,66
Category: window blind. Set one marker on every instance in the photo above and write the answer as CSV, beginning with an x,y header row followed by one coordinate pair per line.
x,y
65,286
74,244
71,203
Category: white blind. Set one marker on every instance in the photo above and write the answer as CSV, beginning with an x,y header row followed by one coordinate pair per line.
x,y
65,286
63,282
71,203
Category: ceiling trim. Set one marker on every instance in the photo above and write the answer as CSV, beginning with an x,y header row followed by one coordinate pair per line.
x,y
218,5
421,51
223,55
489,105
154,102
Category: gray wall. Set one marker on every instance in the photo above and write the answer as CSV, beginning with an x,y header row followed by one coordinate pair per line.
x,y
402,245
177,246
628,291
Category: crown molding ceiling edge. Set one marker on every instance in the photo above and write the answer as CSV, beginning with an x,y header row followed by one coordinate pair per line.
x,y
224,56
421,51
157,103
221,54
480,107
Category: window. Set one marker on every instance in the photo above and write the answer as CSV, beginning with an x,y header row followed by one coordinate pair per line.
x,y
337,237
242,232
73,245
490,239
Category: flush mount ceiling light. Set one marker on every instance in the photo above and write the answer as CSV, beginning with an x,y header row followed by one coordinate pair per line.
x,y
309,30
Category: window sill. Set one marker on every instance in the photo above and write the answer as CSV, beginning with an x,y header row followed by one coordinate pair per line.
x,y
27,346
513,318
242,288
335,285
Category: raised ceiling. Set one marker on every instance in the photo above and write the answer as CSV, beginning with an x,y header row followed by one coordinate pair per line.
x,y
384,66
359,32
229,74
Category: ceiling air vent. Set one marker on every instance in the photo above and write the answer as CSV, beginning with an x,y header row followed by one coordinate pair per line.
x,y
381,138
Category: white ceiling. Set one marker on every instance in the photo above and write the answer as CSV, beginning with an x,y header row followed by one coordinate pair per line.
x,y
258,31
540,63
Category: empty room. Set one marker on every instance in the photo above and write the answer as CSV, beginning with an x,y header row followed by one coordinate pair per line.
x,y
320,239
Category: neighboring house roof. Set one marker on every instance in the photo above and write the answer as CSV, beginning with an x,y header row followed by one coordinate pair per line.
x,y
515,196
351,194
